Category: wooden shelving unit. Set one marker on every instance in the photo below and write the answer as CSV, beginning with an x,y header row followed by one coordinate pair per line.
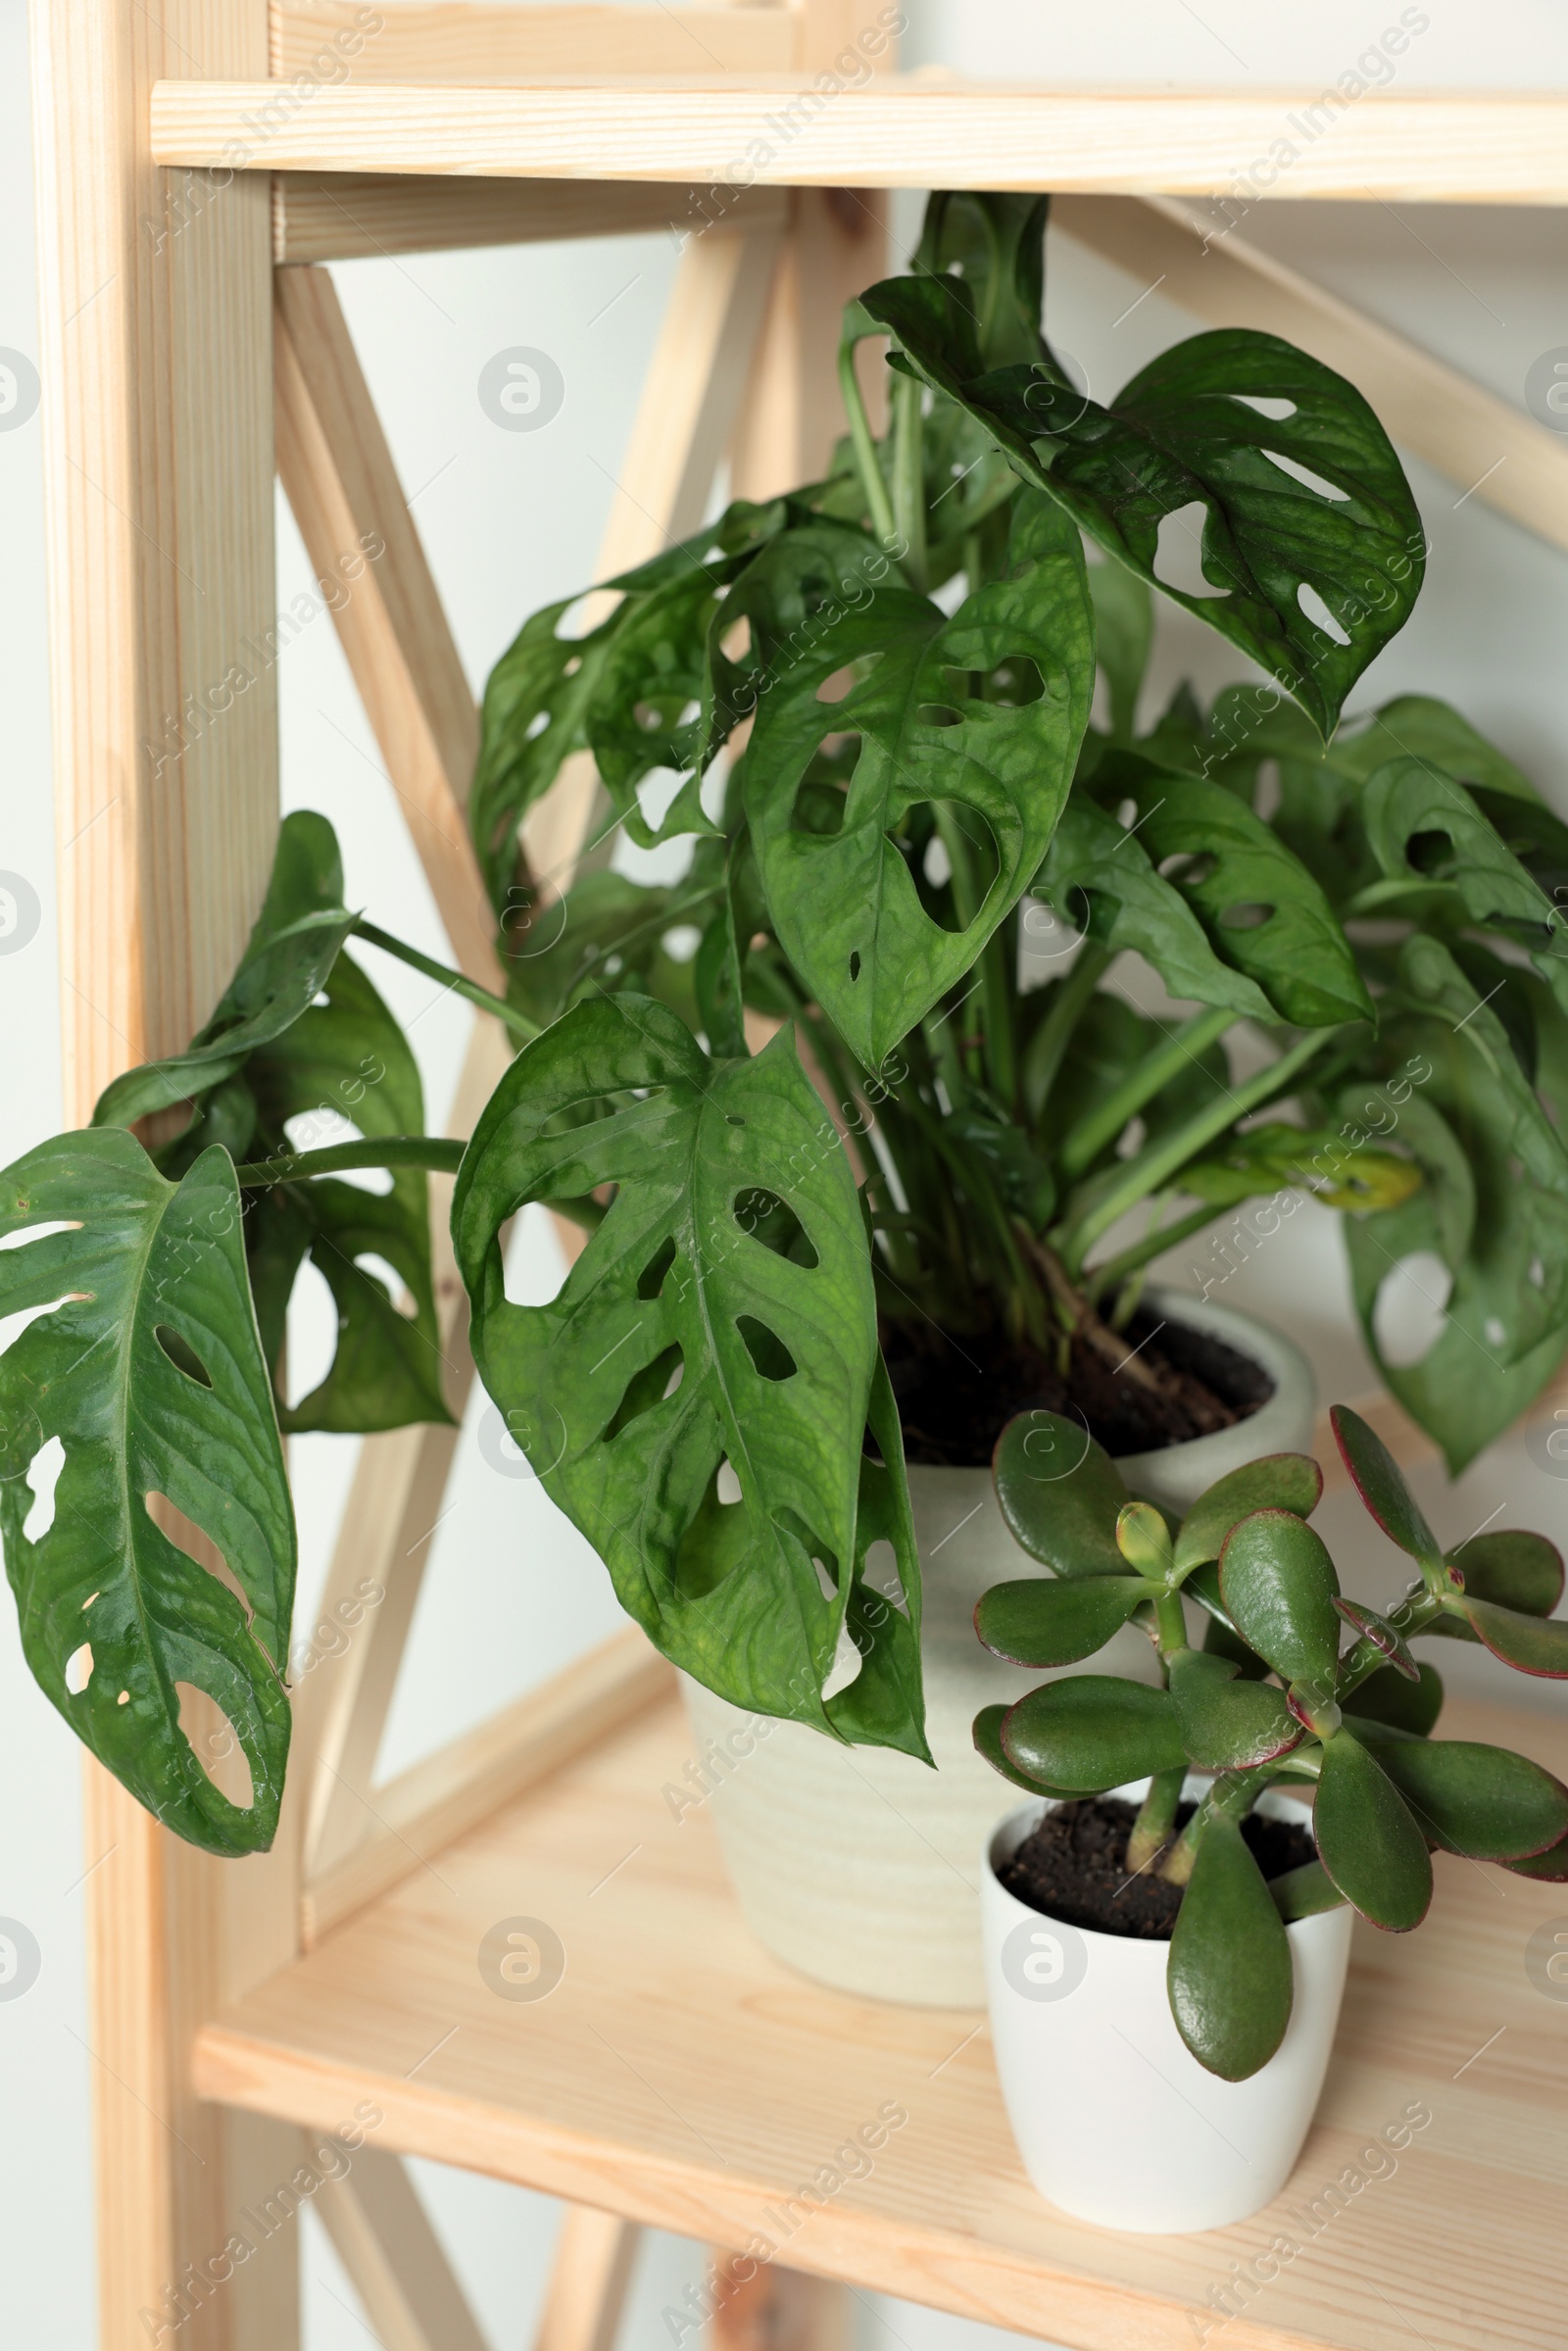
x,y
198,165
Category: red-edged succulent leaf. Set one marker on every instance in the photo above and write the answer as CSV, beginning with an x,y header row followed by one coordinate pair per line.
x,y
1279,1482
1485,1802
988,1742
1302,1893
1059,1494
1093,1731
1279,1587
1227,1723
1229,1978
1512,1569
1526,1643
1388,1697
1377,1479
1038,1620
1382,1634
1368,1840
1551,1866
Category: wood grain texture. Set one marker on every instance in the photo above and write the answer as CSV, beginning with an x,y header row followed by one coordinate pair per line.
x,y
678,2075
342,484
1438,148
400,2269
322,216
155,330
463,40
1486,445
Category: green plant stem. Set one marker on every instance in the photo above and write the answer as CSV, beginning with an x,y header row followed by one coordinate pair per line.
x,y
518,1022
1083,1143
908,475
439,1152
1155,1167
1171,1625
1103,1280
1232,1797
879,504
1050,1042
1155,1825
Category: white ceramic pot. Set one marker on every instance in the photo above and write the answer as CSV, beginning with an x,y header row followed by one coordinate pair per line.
x,y
1116,2121
863,1868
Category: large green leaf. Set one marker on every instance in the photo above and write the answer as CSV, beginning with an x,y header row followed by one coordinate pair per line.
x,y
1386,1696
1280,1587
1277,1481
1481,1800
1379,1482
145,1365
1041,1620
988,1742
1512,1569
1091,1732
1525,1642
682,1340
1260,908
943,713
1367,1839
1060,1494
1229,1975
1335,517
1228,1724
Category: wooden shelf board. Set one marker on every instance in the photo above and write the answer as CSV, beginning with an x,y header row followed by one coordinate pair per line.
x,y
892,133
679,2076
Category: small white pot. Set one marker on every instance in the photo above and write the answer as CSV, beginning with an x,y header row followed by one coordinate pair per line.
x,y
860,1866
1116,2121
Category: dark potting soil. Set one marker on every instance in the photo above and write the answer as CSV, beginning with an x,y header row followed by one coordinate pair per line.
x,y
1073,1867
956,1396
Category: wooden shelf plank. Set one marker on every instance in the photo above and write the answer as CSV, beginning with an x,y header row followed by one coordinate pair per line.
x,y
494,41
892,133
679,2076
339,216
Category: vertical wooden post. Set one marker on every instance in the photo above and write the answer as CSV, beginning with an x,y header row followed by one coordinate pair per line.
x,y
157,365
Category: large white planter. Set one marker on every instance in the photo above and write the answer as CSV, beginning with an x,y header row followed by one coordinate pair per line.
x,y
1116,2121
863,1868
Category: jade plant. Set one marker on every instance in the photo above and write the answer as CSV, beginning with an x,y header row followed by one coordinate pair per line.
x,y
820,1093
1294,1685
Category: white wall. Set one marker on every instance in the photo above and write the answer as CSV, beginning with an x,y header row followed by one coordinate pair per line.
x,y
511,519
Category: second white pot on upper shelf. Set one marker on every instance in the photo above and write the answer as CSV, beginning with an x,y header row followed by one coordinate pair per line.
x,y
863,1868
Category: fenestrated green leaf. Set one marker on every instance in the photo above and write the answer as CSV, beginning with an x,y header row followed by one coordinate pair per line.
x,y
1260,908
844,902
1188,431
1481,1800
1277,1482
145,1365
1040,1621
1098,873
1229,1975
1227,1723
988,1742
1091,1732
1411,808
1380,1483
773,1354
1059,1494
1367,1837
1419,727
1526,1643
1279,1586
1124,629
1386,1696
884,1703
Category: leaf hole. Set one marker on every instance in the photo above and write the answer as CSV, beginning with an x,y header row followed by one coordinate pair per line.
x,y
764,1217
43,1476
1317,612
728,1485
770,1357
1306,476
1497,1330
1179,552
682,943
1408,1317
881,1573
834,688
214,1744
1248,916
536,726
653,1385
198,1547
939,714
387,1277
855,965
78,1669
651,1281
39,1231
182,1355
1266,404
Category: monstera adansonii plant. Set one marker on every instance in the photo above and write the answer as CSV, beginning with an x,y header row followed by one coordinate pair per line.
x,y
1271,1698
868,706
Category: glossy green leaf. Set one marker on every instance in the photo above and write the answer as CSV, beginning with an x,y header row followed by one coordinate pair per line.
x,y
1279,1586
1276,1482
1551,1866
1420,726
1228,1724
927,728
1301,1894
1228,1975
142,1362
1059,1494
1260,908
1335,517
1367,1837
1410,810
1040,1621
1511,1568
1091,1732
1142,1539
1124,629
1386,1696
1468,1798
1368,1624
1526,1643
988,1742
1380,1483
682,1340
